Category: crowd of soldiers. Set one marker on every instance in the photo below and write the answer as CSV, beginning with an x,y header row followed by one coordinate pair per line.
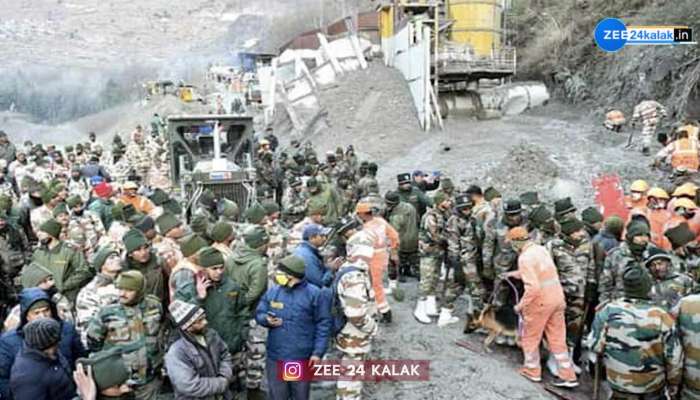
x,y
108,290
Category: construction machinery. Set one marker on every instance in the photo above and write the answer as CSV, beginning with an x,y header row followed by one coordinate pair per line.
x,y
212,152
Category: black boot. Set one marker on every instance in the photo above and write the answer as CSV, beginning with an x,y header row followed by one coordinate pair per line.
x,y
386,317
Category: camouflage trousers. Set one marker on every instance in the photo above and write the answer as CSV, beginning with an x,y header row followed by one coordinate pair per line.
x,y
238,362
255,350
148,391
504,290
350,390
575,317
429,274
469,279
648,132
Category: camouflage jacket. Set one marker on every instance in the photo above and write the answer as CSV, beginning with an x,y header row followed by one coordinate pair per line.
x,y
497,253
667,292
138,326
687,314
293,206
139,157
357,302
692,264
38,216
433,233
277,246
574,265
482,213
100,292
90,225
462,242
610,285
640,346
70,270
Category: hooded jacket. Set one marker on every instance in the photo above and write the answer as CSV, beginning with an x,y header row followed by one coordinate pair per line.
x,y
248,268
11,342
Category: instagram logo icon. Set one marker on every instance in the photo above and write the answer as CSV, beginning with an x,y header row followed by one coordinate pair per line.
x,y
292,371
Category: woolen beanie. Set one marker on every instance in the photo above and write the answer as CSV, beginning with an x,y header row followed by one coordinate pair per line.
x,y
52,227
199,224
229,209
392,198
33,274
255,214
438,198
73,201
166,222
316,207
146,224
491,193
637,282
270,207
614,225
108,368
42,333
191,244
61,208
255,236
184,314
591,215
131,280
636,228
221,231
133,239
102,255
293,266
570,226
540,215
210,257
159,197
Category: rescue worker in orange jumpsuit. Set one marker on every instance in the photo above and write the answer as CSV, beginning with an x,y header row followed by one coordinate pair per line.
x,y
657,214
684,210
386,246
614,119
686,190
130,196
541,308
682,154
638,195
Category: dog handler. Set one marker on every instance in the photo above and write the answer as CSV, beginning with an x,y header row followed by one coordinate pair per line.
x,y
542,309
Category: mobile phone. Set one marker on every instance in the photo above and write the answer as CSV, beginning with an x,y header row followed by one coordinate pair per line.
x,y
272,314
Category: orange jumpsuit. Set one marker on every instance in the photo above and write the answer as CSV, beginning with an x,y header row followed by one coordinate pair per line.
x,y
140,203
633,205
385,238
542,309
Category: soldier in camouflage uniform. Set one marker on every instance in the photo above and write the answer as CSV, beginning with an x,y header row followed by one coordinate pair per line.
x,y
328,195
68,266
138,155
481,214
14,250
183,279
498,256
355,300
668,286
432,245
462,255
294,202
629,253
687,314
541,221
639,344
85,221
348,193
571,253
248,268
222,234
278,234
170,229
564,210
135,322
100,292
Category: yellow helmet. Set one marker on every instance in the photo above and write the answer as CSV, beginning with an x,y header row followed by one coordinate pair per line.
x,y
685,203
639,186
658,193
686,189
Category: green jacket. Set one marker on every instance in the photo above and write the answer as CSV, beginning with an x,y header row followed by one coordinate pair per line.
x,y
334,204
417,199
404,219
248,268
70,270
103,208
152,270
227,313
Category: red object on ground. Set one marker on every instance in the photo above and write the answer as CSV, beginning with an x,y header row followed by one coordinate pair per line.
x,y
609,196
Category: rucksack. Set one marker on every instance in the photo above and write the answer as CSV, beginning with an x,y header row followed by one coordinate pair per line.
x,y
339,318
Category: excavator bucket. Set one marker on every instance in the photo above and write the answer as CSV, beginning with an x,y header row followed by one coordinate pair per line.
x,y
609,196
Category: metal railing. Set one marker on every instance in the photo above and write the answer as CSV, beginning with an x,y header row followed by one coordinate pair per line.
x,y
460,58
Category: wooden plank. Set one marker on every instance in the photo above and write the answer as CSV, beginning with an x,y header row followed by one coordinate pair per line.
x,y
324,47
436,106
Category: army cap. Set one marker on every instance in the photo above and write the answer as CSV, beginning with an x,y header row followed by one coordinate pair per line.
x,y
392,198
656,253
570,226
512,207
255,236
403,178
491,193
221,231
563,206
166,222
210,257
191,244
591,215
463,201
529,198
540,215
